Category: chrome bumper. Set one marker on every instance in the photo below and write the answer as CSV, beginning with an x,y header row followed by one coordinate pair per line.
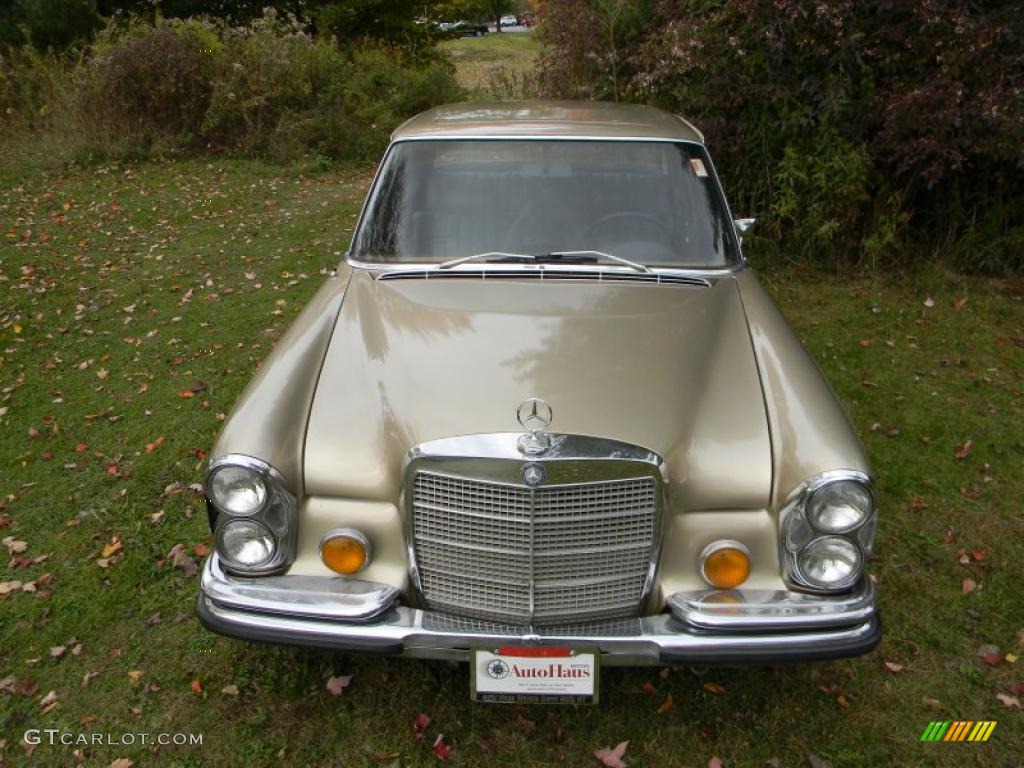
x,y
702,628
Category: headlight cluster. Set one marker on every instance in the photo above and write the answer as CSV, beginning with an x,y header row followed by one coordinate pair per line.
x,y
827,531
255,523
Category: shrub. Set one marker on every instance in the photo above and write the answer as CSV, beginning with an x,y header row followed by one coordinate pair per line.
x,y
269,87
850,128
153,84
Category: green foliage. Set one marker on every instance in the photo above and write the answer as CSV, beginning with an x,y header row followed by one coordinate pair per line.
x,y
268,88
820,189
48,23
391,20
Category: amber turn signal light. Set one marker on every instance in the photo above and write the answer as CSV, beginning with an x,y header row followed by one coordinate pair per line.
x,y
345,551
725,564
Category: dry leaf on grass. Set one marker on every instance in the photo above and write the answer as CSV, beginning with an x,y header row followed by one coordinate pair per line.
x,y
612,758
336,685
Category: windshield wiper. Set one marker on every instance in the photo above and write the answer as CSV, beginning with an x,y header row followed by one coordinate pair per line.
x,y
568,255
487,256
564,257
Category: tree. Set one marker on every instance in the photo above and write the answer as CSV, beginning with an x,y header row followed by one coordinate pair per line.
x,y
51,23
496,9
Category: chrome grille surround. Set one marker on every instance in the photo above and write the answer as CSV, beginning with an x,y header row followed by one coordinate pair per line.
x,y
581,546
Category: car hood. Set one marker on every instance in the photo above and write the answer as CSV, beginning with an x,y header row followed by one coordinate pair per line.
x,y
666,367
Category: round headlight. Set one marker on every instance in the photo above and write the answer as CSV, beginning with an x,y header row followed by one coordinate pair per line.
x,y
246,542
831,562
839,507
237,490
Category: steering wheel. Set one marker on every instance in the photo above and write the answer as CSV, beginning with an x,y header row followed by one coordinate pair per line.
x,y
638,216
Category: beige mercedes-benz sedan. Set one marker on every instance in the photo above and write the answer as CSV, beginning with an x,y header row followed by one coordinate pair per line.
x,y
543,418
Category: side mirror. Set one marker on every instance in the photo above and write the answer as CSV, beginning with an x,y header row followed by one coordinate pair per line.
x,y
742,227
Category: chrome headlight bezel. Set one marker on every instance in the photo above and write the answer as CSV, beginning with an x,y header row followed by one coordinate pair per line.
x,y
278,512
797,531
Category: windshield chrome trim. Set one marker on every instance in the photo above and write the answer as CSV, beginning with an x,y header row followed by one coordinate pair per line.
x,y
595,272
541,137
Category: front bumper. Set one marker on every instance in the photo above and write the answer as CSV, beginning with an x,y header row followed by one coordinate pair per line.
x,y
740,627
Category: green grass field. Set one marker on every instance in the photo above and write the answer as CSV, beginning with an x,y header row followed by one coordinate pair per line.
x,y
136,302
486,64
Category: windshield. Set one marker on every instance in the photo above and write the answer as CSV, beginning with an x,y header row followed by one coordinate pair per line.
x,y
648,201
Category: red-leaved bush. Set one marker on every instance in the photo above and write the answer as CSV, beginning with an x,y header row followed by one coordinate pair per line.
x,y
856,131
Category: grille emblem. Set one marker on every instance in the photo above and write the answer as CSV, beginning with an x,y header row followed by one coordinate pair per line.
x,y
535,416
533,474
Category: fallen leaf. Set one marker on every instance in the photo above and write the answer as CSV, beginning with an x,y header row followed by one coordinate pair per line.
x,y
666,705
648,688
196,686
6,587
112,548
51,698
929,302
890,666
135,675
968,585
229,690
441,750
931,703
14,546
121,762
26,686
421,722
335,685
89,676
715,762
1010,702
990,654
612,758
816,762
181,559
714,688
964,450
57,651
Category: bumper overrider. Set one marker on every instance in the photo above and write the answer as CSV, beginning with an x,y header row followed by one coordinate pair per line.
x,y
742,626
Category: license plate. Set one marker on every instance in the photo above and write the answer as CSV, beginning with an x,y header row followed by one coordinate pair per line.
x,y
535,675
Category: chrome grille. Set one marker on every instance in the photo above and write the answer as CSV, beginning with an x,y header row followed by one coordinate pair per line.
x,y
575,552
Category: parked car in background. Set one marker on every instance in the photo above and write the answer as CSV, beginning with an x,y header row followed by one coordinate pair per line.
x,y
543,417
464,29
509,21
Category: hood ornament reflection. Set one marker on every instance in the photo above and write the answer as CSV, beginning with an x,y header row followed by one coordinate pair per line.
x,y
535,416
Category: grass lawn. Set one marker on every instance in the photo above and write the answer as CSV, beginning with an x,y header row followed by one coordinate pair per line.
x,y
480,61
135,302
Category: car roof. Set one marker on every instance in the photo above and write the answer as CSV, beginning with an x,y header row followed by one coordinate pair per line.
x,y
547,119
